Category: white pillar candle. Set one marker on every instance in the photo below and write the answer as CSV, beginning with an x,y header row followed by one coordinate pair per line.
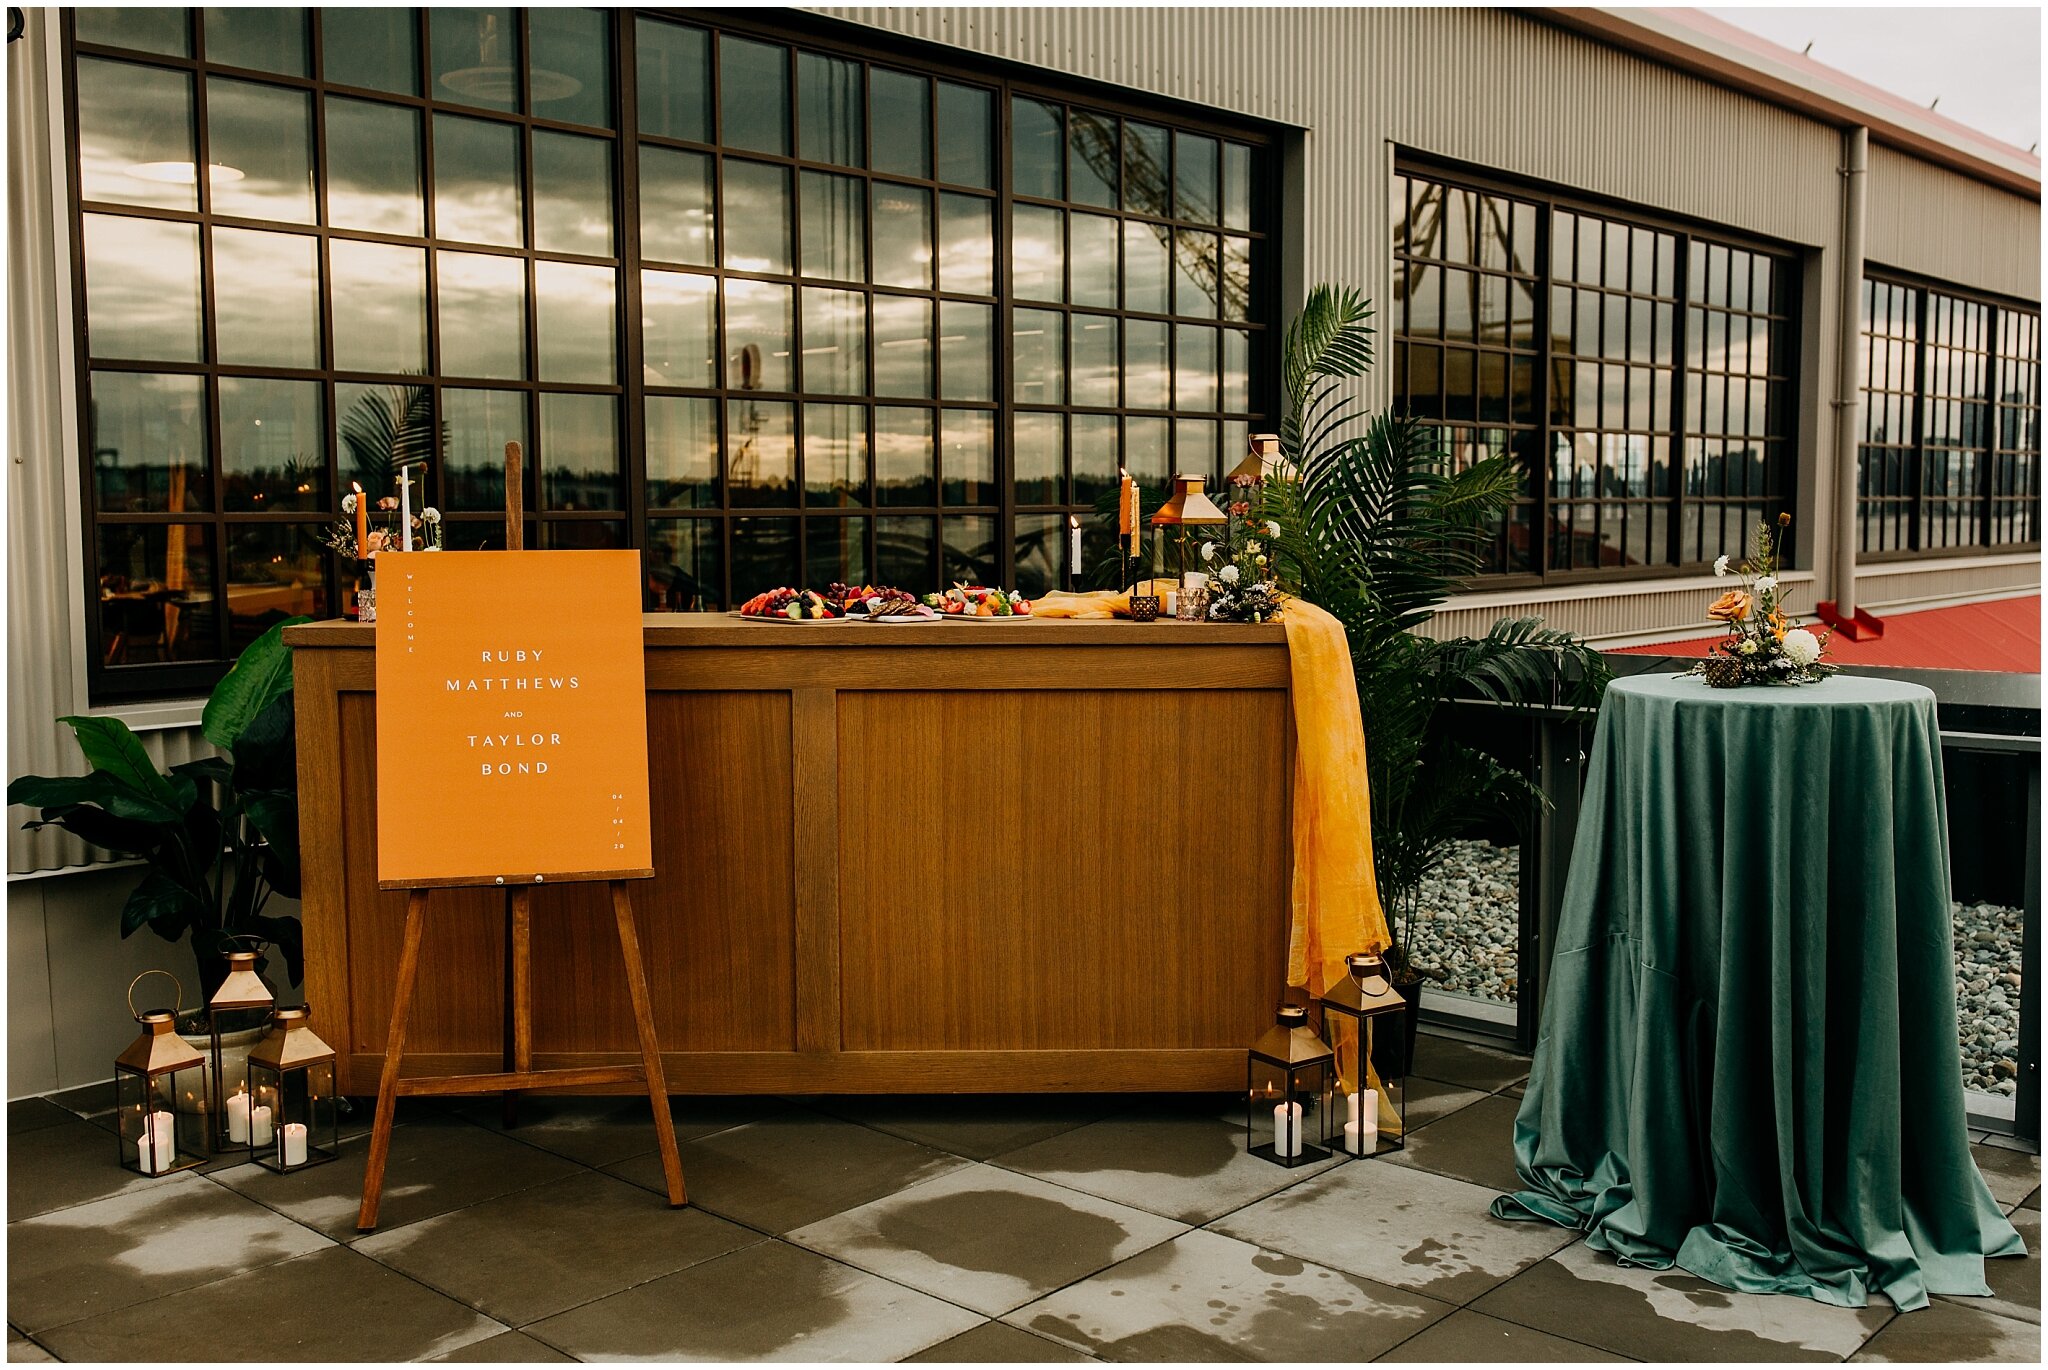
x,y
1362,1132
294,1143
238,1116
1193,580
1074,546
259,1125
1287,1129
404,510
159,1142
1171,606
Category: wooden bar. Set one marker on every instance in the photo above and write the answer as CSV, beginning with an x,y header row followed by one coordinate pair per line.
x,y
930,858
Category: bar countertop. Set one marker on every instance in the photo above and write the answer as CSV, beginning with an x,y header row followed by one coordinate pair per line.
x,y
728,630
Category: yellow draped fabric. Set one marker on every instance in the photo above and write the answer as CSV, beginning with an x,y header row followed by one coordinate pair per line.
x,y
1087,604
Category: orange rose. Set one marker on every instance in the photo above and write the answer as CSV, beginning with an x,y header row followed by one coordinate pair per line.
x,y
1732,607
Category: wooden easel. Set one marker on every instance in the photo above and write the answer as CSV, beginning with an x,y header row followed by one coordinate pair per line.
x,y
518,1073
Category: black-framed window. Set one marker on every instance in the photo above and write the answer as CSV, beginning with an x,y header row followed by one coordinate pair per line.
x,y
1640,373
1950,461
772,306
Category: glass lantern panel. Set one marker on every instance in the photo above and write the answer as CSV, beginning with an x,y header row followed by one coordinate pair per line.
x,y
161,1119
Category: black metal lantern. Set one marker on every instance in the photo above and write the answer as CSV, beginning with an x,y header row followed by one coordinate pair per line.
x,y
294,1117
242,990
1287,1090
159,1094
1358,1012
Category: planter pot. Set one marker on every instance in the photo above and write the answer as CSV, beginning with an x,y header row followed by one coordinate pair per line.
x,y
1393,1053
234,1055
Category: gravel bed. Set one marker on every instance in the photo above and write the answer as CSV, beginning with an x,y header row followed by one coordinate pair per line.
x,y
1988,974
1468,920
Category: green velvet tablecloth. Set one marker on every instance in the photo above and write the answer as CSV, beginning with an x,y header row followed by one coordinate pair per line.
x,y
1748,1064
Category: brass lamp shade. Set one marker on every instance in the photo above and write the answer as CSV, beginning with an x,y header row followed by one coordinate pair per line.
x,y
159,1050
1368,988
291,1043
1291,1042
1258,462
1187,504
243,988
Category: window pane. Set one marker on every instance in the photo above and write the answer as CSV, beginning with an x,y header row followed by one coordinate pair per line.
x,y
1037,149
148,436
476,181
1194,177
760,454
967,250
1094,259
1096,360
579,452
144,30
483,315
373,167
1040,552
906,553
1237,366
1038,253
266,133
754,79
903,236
835,342
571,78
679,328
829,110
764,555
903,456
1146,373
574,321
1234,290
1194,367
682,565
970,550
1145,450
682,452
965,337
266,297
259,38
1237,193
1145,267
836,551
135,135
276,571
1040,459
1093,158
476,57
675,206
835,235
903,346
757,215
478,424
903,119
757,335
273,445
965,137
1195,274
379,304
674,68
1039,356
375,48
1093,456
969,456
572,194
1194,447
835,455
142,288
583,534
1146,187
156,593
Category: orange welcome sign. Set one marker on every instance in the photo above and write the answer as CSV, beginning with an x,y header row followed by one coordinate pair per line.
x,y
511,718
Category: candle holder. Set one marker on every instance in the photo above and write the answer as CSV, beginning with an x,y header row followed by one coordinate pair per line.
x,y
152,1135
294,1118
1355,1011
1144,608
1288,1072
242,991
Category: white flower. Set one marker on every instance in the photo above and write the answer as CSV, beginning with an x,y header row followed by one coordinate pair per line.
x,y
1721,564
1766,584
1747,649
348,503
1252,545
431,514
1272,528
1803,647
1228,575
1208,551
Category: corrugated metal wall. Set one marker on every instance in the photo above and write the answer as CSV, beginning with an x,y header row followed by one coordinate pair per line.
x,y
1922,218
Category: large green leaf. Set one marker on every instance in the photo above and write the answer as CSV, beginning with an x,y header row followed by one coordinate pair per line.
x,y
266,754
284,934
275,815
111,746
161,903
259,676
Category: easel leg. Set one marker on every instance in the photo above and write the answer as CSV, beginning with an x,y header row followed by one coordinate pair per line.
x,y
522,993
650,1045
394,1052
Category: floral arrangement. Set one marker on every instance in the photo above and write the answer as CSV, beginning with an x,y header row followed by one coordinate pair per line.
x,y
1762,646
1242,587
366,528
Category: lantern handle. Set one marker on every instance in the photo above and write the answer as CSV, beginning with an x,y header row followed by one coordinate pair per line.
x,y
178,1007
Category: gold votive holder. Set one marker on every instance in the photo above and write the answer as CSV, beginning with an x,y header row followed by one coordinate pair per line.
x,y
1144,608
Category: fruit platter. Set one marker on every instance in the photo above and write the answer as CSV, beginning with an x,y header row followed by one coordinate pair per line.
x,y
980,603
785,605
879,604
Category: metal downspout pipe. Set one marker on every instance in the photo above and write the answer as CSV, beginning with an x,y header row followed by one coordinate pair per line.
x,y
1848,398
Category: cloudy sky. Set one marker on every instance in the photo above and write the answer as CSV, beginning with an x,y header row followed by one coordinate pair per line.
x,y
1984,64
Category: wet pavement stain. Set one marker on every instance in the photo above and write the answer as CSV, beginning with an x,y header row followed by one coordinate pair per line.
x,y
1001,1232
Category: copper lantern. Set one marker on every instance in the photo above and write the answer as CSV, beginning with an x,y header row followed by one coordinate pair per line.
x,y
241,991
159,1096
1357,1010
1287,1091
1187,507
294,1117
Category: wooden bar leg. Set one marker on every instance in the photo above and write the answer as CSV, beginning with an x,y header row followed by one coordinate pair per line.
x,y
394,1051
521,1006
650,1044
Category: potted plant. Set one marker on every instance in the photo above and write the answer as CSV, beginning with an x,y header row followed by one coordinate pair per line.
x,y
1376,527
216,837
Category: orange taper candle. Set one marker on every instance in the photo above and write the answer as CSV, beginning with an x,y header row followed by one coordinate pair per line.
x,y
362,522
